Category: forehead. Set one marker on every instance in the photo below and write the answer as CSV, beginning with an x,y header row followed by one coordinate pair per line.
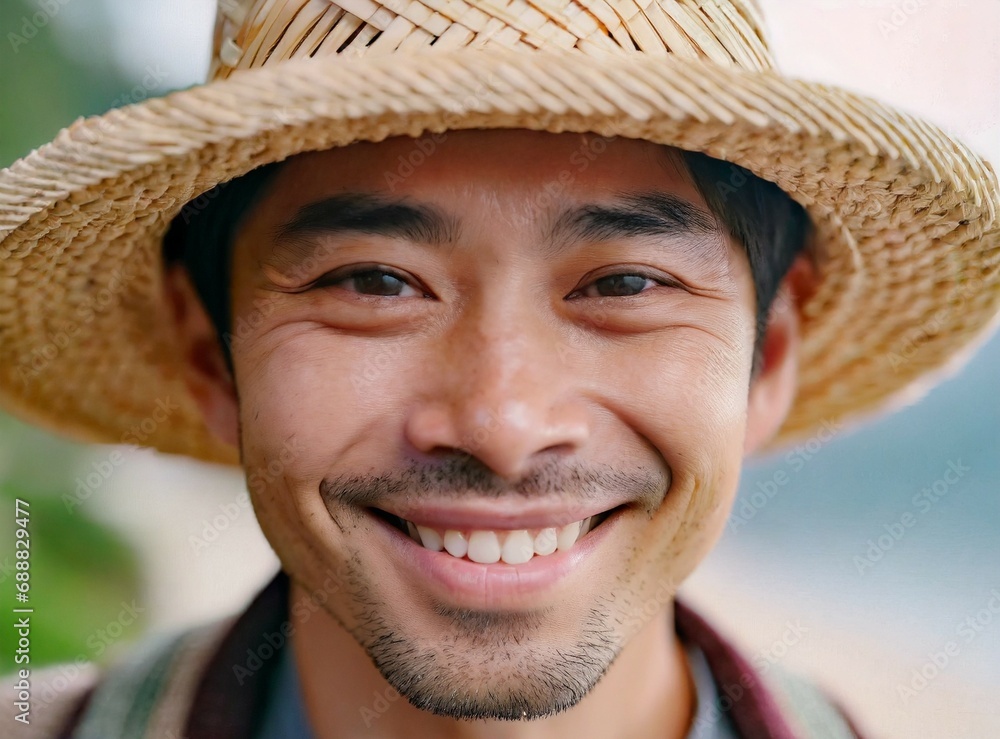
x,y
516,168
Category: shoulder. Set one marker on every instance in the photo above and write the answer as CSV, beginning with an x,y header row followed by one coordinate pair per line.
x,y
774,702
150,686
808,707
38,704
169,685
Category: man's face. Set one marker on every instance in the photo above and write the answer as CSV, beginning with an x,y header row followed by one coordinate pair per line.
x,y
492,334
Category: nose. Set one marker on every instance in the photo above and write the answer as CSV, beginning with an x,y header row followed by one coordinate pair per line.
x,y
501,391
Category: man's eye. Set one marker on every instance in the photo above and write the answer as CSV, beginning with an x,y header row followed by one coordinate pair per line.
x,y
618,285
370,282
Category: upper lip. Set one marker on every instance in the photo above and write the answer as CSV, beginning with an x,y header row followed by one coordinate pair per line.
x,y
512,515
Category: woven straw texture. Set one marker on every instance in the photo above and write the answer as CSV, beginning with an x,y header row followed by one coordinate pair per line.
x,y
906,218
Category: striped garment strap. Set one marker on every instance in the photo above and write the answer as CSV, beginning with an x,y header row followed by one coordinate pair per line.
x,y
149,693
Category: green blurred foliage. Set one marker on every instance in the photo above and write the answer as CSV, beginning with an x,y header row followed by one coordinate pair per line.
x,y
81,572
81,577
42,88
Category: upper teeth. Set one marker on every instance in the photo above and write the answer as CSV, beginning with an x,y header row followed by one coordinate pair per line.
x,y
488,546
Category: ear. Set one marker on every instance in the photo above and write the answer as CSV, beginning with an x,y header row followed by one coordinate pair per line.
x,y
773,388
205,372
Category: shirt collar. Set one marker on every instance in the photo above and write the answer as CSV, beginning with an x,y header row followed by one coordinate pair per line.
x,y
231,695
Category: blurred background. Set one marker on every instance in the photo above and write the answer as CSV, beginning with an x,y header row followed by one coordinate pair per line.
x,y
856,557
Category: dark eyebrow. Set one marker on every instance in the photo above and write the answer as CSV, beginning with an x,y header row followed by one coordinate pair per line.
x,y
634,214
631,215
295,242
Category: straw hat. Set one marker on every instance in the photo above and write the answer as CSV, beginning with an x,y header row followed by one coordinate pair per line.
x,y
906,218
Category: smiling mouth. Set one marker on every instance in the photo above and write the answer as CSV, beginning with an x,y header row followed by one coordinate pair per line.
x,y
489,546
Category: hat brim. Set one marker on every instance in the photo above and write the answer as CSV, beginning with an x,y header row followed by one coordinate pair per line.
x,y
905,217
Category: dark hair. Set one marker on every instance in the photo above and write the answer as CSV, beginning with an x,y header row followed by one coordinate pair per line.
x,y
773,228
201,236
758,214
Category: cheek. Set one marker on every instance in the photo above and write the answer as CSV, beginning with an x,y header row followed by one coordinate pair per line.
x,y
689,398
308,407
322,393
691,405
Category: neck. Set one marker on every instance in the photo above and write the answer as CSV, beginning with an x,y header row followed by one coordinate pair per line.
x,y
345,696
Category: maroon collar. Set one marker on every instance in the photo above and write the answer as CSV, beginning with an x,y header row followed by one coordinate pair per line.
x,y
751,707
231,695
229,702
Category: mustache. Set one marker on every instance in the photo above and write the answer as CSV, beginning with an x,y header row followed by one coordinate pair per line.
x,y
456,477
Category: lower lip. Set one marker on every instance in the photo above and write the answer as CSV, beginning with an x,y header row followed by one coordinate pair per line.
x,y
491,586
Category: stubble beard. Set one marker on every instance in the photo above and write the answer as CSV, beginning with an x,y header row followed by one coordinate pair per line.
x,y
492,665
